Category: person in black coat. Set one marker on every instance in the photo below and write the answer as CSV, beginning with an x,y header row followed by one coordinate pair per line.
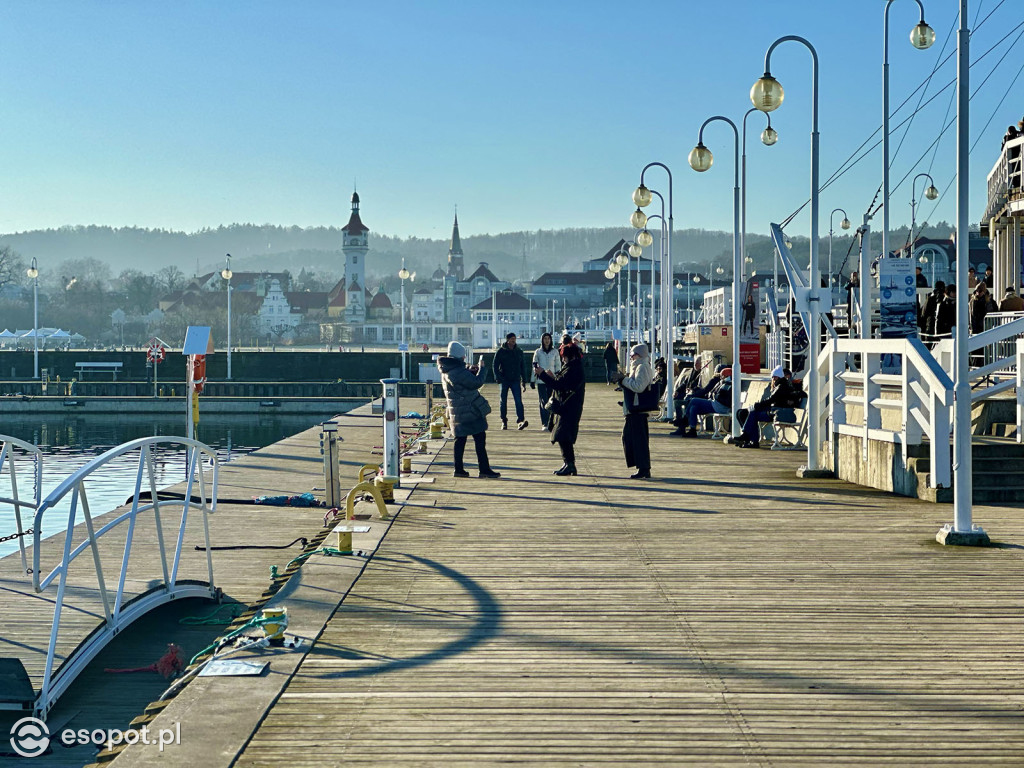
x,y
945,313
568,387
467,408
930,305
611,361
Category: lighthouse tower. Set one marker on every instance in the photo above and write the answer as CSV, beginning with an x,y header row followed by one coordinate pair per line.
x,y
354,246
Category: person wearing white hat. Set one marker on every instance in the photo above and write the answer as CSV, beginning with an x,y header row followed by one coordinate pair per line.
x,y
467,408
779,394
638,399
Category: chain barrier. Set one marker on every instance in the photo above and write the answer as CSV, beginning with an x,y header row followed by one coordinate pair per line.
x,y
14,536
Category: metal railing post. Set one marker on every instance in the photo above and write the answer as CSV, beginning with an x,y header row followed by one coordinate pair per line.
x,y
329,450
392,442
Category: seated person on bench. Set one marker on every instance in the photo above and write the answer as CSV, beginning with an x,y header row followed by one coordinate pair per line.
x,y
719,400
687,380
778,395
683,397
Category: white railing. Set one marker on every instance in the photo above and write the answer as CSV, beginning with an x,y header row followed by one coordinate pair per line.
x,y
9,446
999,344
118,611
926,396
1020,390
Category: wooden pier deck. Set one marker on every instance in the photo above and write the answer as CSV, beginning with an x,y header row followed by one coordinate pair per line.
x,y
723,614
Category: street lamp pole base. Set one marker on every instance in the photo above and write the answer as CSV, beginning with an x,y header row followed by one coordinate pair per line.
x,y
804,473
975,537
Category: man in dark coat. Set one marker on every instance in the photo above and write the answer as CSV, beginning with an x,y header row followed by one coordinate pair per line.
x,y
945,313
778,395
511,373
568,386
467,408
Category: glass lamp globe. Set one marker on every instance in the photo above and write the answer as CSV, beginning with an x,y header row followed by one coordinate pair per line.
x,y
638,219
614,267
789,244
696,278
923,259
922,36
845,223
403,273
719,271
641,196
32,272
769,136
608,274
701,158
621,259
635,250
931,193
767,94
645,238
226,273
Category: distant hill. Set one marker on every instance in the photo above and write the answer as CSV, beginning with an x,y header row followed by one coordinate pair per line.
x,y
511,255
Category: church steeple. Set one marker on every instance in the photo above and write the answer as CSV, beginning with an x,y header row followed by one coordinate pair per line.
x,y
455,256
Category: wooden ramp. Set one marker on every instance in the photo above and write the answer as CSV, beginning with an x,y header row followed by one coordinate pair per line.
x,y
723,614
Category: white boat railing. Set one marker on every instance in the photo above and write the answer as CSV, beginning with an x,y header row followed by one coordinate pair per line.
x,y
119,608
9,448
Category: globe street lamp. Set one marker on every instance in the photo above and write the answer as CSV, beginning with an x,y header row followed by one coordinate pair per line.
x,y
226,273
403,274
845,224
767,95
701,160
642,197
921,37
33,275
931,193
769,136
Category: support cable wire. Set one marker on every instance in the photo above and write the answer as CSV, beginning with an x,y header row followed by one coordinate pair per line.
x,y
853,160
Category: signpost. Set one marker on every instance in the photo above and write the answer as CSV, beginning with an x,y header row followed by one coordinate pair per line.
x,y
155,354
198,344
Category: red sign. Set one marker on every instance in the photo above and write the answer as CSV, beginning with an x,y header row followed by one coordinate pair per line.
x,y
750,358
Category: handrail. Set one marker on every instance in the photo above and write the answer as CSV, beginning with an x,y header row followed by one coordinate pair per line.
x,y
6,443
118,611
995,335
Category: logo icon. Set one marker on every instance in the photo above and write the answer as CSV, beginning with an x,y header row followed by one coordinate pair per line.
x,y
30,737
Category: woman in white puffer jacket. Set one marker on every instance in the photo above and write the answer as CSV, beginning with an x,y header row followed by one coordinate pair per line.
x,y
546,356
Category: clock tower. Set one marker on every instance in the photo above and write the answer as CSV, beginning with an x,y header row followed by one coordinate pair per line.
x,y
354,246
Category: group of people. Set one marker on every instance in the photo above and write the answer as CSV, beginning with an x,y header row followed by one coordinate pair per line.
x,y
557,375
938,315
560,381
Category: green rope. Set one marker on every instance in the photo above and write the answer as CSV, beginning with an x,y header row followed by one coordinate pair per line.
x,y
234,610
301,559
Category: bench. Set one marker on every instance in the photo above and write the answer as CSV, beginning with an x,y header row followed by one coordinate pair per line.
x,y
81,368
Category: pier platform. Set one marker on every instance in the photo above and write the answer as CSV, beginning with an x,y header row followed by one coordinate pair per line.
x,y
724,613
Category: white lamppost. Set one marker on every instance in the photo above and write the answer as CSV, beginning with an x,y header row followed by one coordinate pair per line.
x,y
33,274
921,37
226,273
962,531
404,274
767,95
701,160
845,224
642,198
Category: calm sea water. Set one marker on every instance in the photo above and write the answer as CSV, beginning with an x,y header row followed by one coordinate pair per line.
x,y
70,441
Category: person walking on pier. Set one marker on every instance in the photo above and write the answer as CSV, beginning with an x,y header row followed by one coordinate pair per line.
x,y
611,361
547,357
568,386
467,408
511,373
636,403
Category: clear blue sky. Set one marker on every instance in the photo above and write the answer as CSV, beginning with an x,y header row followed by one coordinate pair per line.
x,y
528,115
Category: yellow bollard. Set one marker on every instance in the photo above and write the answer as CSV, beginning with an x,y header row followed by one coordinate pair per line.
x,y
370,488
407,463
274,629
386,485
372,468
436,430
